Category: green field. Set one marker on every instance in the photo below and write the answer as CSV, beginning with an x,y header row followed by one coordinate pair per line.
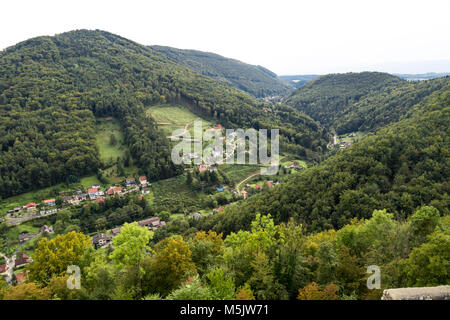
x,y
351,137
32,196
238,172
106,127
171,117
87,182
172,194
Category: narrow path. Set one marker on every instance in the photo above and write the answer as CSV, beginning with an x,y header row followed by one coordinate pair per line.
x,y
185,130
249,177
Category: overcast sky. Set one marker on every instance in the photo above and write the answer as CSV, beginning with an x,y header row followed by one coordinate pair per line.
x,y
287,37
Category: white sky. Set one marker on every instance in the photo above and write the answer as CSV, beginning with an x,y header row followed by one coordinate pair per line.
x,y
287,37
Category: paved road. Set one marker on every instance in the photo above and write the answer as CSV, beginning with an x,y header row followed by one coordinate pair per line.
x,y
11,221
10,263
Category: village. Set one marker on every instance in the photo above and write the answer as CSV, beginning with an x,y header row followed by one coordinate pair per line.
x,y
95,193
49,207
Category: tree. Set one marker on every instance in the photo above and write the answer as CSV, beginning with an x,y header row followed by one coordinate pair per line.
x,y
207,250
112,139
52,257
245,293
27,291
131,245
349,272
221,285
263,282
429,264
191,289
189,178
169,265
3,288
423,223
313,292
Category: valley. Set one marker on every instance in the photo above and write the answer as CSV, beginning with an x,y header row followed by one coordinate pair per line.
x,y
86,133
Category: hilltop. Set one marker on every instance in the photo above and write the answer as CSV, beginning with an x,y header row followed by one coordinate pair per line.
x,y
255,80
360,101
53,90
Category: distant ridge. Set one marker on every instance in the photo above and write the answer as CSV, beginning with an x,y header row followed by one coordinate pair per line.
x,y
255,80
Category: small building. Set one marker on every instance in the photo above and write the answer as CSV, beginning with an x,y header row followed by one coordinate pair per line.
x,y
218,126
30,206
17,210
146,191
47,229
68,199
196,215
244,194
143,181
193,155
150,222
21,277
80,196
269,184
296,165
24,237
115,231
101,201
50,211
2,268
114,190
22,259
50,202
101,239
130,181
93,193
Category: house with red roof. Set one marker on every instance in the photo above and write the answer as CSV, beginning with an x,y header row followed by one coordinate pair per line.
x,y
30,206
22,259
21,277
114,190
93,193
143,181
50,202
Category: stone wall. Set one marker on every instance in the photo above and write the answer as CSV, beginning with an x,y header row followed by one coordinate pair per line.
x,y
425,293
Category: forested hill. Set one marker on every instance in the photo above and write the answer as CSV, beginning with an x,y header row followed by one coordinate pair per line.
x,y
361,101
403,166
256,80
326,98
52,89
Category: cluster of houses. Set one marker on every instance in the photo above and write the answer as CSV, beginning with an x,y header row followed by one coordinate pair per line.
x,y
294,165
34,210
33,207
20,261
103,240
257,187
206,167
345,144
